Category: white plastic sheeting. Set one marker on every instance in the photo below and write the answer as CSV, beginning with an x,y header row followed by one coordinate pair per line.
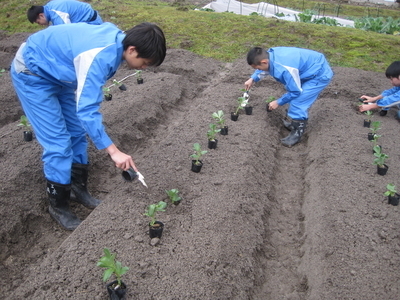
x,y
265,9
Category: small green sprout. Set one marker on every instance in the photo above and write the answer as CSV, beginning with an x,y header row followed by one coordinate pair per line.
x,y
112,266
198,153
391,190
380,157
212,132
173,195
152,210
24,122
219,117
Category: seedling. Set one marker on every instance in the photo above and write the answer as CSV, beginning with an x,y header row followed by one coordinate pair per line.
x,y
152,210
212,132
375,126
219,117
106,91
24,123
270,99
2,71
139,78
391,190
112,266
369,114
240,101
119,84
380,157
198,153
173,195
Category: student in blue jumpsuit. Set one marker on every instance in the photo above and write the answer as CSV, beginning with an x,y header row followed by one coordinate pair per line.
x,y
304,73
388,98
58,76
59,12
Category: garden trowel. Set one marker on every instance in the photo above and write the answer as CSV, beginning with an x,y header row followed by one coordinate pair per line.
x,y
246,97
141,179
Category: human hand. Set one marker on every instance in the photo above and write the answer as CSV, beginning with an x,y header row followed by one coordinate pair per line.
x,y
273,105
364,107
248,84
121,160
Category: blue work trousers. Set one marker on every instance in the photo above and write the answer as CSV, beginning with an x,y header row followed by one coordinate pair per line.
x,y
51,109
299,107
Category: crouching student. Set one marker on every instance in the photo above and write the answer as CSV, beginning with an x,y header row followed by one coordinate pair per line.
x,y
58,76
304,73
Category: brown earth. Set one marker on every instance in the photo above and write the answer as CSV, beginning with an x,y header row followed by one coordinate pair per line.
x,y
260,221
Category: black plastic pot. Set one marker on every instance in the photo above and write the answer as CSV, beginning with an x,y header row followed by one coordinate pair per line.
x,y
370,136
234,117
248,110
268,110
140,80
156,230
116,292
28,136
122,87
212,144
224,130
367,123
382,170
130,174
196,168
394,200
108,97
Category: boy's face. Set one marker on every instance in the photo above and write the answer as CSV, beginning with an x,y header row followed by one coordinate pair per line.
x,y
263,66
395,81
130,55
41,20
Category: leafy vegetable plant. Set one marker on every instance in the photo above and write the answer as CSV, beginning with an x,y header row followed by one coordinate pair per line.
x,y
391,190
219,117
380,157
112,266
173,195
212,132
24,122
198,153
375,126
240,101
152,210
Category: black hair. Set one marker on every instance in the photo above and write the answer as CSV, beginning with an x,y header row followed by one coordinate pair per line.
x,y
149,41
256,55
393,71
34,12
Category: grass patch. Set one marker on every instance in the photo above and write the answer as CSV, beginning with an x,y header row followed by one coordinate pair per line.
x,y
227,36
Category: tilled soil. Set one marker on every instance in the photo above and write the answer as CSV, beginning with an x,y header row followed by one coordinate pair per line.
x,y
260,221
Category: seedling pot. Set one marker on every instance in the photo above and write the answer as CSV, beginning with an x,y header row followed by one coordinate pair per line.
x,y
28,135
156,230
370,136
129,175
394,200
224,130
268,110
234,117
139,80
367,123
115,292
382,170
248,110
122,87
212,144
108,97
196,168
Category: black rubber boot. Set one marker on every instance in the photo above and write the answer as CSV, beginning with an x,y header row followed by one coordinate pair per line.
x,y
287,125
383,113
295,134
59,196
79,178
